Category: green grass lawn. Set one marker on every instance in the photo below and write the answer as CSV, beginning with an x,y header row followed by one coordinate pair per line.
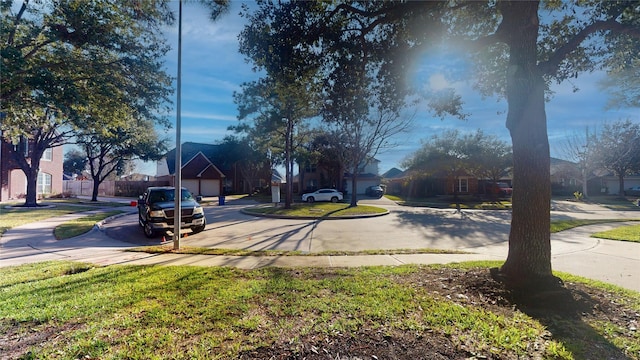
x,y
81,225
623,233
466,202
67,310
316,210
561,225
10,218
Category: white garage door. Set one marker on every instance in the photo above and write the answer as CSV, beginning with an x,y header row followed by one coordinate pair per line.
x,y
191,185
210,187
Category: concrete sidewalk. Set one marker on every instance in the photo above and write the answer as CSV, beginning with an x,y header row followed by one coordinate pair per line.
x,y
573,251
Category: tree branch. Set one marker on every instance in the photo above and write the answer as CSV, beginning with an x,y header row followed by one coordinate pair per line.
x,y
17,20
551,66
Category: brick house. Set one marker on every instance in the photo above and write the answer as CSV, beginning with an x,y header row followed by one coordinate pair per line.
x,y
13,182
315,176
207,170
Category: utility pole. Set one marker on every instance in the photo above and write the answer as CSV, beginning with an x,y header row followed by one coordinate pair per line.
x,y
177,213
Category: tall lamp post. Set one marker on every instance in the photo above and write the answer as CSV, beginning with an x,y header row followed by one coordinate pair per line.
x,y
177,213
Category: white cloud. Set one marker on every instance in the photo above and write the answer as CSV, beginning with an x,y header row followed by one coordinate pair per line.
x,y
209,116
438,82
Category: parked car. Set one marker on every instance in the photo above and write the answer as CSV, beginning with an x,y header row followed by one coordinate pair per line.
x,y
500,188
376,191
156,211
332,195
633,191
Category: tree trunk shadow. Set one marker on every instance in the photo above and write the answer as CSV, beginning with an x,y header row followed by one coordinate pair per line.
x,y
564,311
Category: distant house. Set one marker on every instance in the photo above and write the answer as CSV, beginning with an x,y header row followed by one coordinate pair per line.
x,y
609,184
368,176
566,177
415,184
208,171
394,180
315,176
13,182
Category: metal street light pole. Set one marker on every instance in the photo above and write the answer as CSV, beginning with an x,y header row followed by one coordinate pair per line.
x,y
177,213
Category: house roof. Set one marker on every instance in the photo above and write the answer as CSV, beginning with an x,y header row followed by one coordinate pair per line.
x,y
190,150
393,173
363,176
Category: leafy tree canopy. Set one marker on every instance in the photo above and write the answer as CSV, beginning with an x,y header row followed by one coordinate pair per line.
x,y
517,49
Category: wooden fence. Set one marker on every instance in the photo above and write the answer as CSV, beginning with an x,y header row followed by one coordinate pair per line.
x,y
109,188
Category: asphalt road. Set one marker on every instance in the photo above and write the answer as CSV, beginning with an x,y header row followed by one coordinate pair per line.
x,y
402,228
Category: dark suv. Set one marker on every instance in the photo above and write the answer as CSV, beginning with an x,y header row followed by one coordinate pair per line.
x,y
375,191
156,210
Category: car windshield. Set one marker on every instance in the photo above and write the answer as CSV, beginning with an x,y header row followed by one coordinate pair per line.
x,y
168,195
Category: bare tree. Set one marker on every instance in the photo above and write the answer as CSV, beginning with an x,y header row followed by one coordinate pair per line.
x,y
580,148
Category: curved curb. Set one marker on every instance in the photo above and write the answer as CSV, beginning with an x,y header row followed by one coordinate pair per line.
x,y
99,225
290,217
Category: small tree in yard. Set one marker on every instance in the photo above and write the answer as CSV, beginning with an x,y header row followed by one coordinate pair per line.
x,y
489,157
443,154
245,154
581,149
109,151
75,162
618,150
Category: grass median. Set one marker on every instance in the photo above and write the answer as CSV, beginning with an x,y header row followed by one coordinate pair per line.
x,y
16,216
316,210
69,310
81,225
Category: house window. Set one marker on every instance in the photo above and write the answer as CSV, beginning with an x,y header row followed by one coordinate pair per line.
x,y
44,183
463,185
47,155
310,168
312,184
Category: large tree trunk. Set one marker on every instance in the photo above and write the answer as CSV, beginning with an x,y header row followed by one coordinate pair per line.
x,y
32,186
96,187
528,262
30,170
621,183
354,187
585,183
288,168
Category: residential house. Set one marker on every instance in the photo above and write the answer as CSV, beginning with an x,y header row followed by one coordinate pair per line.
x,y
368,176
312,176
415,184
208,171
13,181
566,177
394,179
609,184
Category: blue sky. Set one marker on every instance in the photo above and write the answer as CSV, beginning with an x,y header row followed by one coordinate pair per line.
x,y
212,69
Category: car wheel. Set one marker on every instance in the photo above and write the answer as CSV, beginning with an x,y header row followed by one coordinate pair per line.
x,y
148,230
334,199
310,199
197,229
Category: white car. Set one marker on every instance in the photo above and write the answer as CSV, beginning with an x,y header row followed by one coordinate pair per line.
x,y
332,195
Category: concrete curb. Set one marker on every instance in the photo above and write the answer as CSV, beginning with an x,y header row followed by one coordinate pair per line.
x,y
346,217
